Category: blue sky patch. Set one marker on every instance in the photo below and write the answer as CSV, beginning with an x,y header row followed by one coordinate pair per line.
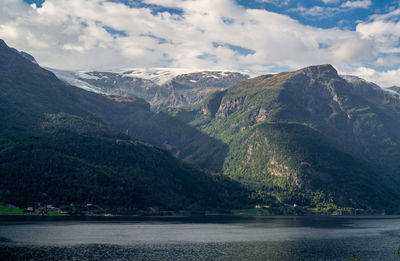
x,y
228,20
208,56
114,32
159,39
331,15
238,49
154,8
37,2
323,46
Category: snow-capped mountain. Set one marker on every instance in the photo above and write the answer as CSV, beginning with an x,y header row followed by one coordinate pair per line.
x,y
161,87
357,81
395,89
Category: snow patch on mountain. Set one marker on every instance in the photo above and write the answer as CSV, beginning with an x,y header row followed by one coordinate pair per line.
x,y
159,76
161,87
357,80
73,78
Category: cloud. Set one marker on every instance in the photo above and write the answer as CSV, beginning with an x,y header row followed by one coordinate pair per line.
x,y
323,12
317,11
279,3
391,60
385,79
351,50
331,1
100,34
384,31
357,4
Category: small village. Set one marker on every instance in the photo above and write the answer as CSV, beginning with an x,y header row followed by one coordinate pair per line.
x,y
51,210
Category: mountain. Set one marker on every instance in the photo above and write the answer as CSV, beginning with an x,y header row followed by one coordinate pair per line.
x,y
160,87
308,137
354,80
395,89
53,150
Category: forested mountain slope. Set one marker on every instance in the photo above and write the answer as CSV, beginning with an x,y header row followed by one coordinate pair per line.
x,y
55,151
307,137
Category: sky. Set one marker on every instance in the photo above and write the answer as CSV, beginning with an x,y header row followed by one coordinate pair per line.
x,y
358,37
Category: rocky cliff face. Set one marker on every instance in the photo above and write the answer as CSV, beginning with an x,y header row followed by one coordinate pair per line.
x,y
160,87
348,110
306,134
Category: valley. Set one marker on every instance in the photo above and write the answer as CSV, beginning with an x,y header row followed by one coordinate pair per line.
x,y
304,142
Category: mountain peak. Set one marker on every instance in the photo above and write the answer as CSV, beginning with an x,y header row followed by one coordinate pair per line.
x,y
320,70
28,57
3,44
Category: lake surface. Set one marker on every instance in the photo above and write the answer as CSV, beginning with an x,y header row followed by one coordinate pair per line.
x,y
205,238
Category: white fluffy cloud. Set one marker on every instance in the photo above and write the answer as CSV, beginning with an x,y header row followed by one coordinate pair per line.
x,y
384,32
357,4
276,2
331,1
385,79
98,34
331,11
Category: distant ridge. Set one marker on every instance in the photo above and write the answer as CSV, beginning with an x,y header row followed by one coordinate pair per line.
x,y
161,87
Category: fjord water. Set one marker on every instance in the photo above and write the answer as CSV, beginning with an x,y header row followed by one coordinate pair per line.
x,y
205,238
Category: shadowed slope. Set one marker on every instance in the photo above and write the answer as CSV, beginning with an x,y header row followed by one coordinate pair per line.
x,y
54,150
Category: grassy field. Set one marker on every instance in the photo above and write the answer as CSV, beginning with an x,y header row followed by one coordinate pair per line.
x,y
7,210
11,211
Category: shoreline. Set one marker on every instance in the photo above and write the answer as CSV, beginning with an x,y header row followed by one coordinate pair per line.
x,y
217,216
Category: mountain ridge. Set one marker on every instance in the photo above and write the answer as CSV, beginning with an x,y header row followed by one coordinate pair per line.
x,y
160,87
55,151
310,100
306,138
